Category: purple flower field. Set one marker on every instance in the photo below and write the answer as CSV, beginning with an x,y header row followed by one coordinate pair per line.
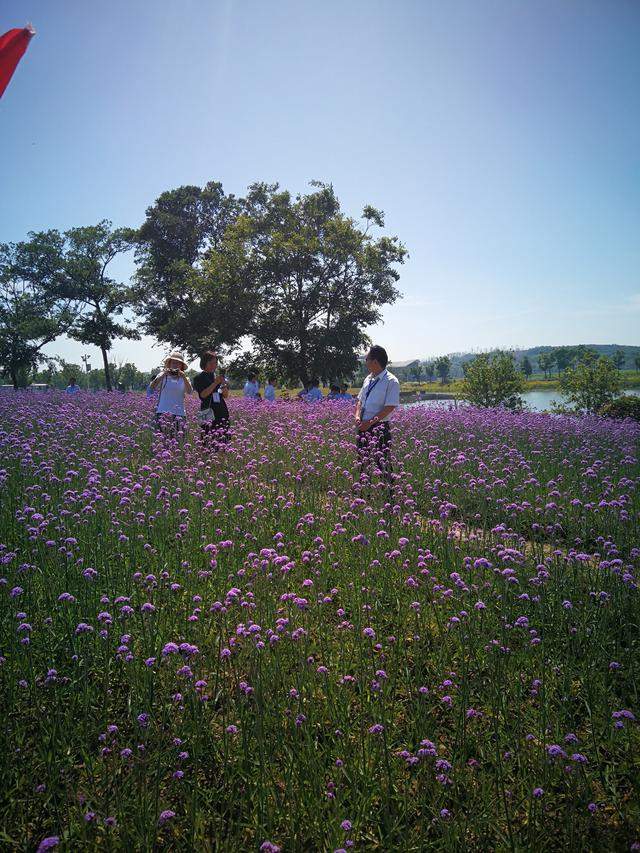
x,y
258,648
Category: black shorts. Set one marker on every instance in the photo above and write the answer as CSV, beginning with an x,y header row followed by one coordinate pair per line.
x,y
377,437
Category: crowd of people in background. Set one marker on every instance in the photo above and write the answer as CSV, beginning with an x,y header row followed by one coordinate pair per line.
x,y
310,393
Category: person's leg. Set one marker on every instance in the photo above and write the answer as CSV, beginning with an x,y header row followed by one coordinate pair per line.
x,y
205,432
378,452
221,430
365,447
384,449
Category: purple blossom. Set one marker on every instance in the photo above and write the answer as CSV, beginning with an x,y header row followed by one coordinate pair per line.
x,y
166,815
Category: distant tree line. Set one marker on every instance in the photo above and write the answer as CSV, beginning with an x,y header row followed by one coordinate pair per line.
x,y
553,360
289,283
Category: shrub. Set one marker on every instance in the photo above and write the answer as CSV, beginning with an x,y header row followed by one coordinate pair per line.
x,y
622,407
589,385
492,380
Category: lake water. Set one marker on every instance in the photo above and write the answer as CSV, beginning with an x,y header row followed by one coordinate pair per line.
x,y
536,401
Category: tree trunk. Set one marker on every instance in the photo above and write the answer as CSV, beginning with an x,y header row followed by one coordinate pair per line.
x,y
14,378
107,374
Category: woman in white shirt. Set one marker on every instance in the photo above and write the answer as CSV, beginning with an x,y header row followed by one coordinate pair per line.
x,y
174,385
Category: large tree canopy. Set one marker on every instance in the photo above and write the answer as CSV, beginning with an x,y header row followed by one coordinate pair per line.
x,y
177,303
294,279
319,277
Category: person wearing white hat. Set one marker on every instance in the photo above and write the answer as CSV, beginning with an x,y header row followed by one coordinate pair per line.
x,y
174,384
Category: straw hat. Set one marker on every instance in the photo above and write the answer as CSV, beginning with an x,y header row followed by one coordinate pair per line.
x,y
176,355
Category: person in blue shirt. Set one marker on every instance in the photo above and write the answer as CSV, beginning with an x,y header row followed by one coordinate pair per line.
x,y
378,397
270,390
72,388
314,394
334,392
344,392
251,388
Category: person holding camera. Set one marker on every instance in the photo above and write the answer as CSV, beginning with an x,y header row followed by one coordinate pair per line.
x,y
174,385
213,390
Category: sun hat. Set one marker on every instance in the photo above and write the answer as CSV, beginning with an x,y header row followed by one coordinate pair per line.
x,y
176,355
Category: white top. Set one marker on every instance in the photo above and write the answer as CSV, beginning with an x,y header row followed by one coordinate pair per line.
x,y
172,393
270,392
376,393
251,390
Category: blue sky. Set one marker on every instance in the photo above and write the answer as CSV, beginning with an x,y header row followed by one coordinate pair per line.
x,y
501,138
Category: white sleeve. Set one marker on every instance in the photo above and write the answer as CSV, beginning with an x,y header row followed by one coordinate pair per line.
x,y
392,397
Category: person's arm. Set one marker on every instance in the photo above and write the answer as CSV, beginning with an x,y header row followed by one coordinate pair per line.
x,y
209,390
155,382
187,384
359,404
377,418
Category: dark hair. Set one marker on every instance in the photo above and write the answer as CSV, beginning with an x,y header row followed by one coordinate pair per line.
x,y
344,387
252,375
315,382
335,388
379,354
271,379
207,356
72,380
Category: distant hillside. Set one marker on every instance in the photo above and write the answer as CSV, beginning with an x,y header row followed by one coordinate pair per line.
x,y
631,353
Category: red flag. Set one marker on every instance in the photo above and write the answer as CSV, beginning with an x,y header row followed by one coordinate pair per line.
x,y
12,46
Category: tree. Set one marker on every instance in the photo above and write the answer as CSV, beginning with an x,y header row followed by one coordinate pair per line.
x,y
586,355
491,380
590,384
35,307
526,367
416,371
88,253
429,370
179,302
563,357
619,359
546,361
317,278
442,367
636,361
131,377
